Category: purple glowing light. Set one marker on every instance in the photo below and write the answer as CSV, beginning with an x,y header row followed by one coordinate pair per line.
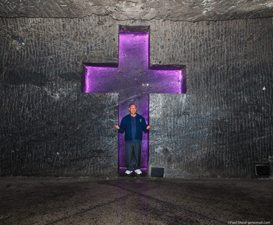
x,y
134,79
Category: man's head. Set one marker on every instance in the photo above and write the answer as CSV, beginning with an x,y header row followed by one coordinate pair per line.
x,y
132,108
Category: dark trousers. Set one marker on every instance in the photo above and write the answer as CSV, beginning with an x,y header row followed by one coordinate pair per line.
x,y
133,154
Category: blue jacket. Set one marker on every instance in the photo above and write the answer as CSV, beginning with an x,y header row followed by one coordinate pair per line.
x,y
125,125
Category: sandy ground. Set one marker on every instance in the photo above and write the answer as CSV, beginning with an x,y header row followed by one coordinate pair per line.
x,y
134,200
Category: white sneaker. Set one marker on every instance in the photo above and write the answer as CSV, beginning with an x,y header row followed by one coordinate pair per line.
x,y
138,171
128,172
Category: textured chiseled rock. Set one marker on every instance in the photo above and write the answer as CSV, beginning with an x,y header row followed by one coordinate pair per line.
x,y
187,10
220,127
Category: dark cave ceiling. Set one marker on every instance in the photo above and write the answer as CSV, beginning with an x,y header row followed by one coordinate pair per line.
x,y
175,10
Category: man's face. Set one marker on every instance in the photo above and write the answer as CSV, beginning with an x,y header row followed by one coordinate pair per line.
x,y
133,109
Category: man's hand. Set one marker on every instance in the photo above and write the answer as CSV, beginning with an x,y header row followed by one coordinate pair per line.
x,y
148,127
116,126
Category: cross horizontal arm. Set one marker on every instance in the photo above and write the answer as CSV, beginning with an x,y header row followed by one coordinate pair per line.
x,y
166,81
99,79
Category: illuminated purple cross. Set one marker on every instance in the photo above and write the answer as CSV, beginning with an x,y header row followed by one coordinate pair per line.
x,y
133,78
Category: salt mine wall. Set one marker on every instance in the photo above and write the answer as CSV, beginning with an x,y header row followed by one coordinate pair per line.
x,y
220,127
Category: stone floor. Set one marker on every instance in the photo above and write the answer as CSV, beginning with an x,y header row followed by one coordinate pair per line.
x,y
135,200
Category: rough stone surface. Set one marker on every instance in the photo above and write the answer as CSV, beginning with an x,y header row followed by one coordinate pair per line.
x,y
219,128
45,201
188,10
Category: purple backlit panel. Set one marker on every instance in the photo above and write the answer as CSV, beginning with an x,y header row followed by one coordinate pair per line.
x,y
100,79
133,51
170,78
134,80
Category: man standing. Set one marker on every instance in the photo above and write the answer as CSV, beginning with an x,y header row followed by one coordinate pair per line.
x,y
133,124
